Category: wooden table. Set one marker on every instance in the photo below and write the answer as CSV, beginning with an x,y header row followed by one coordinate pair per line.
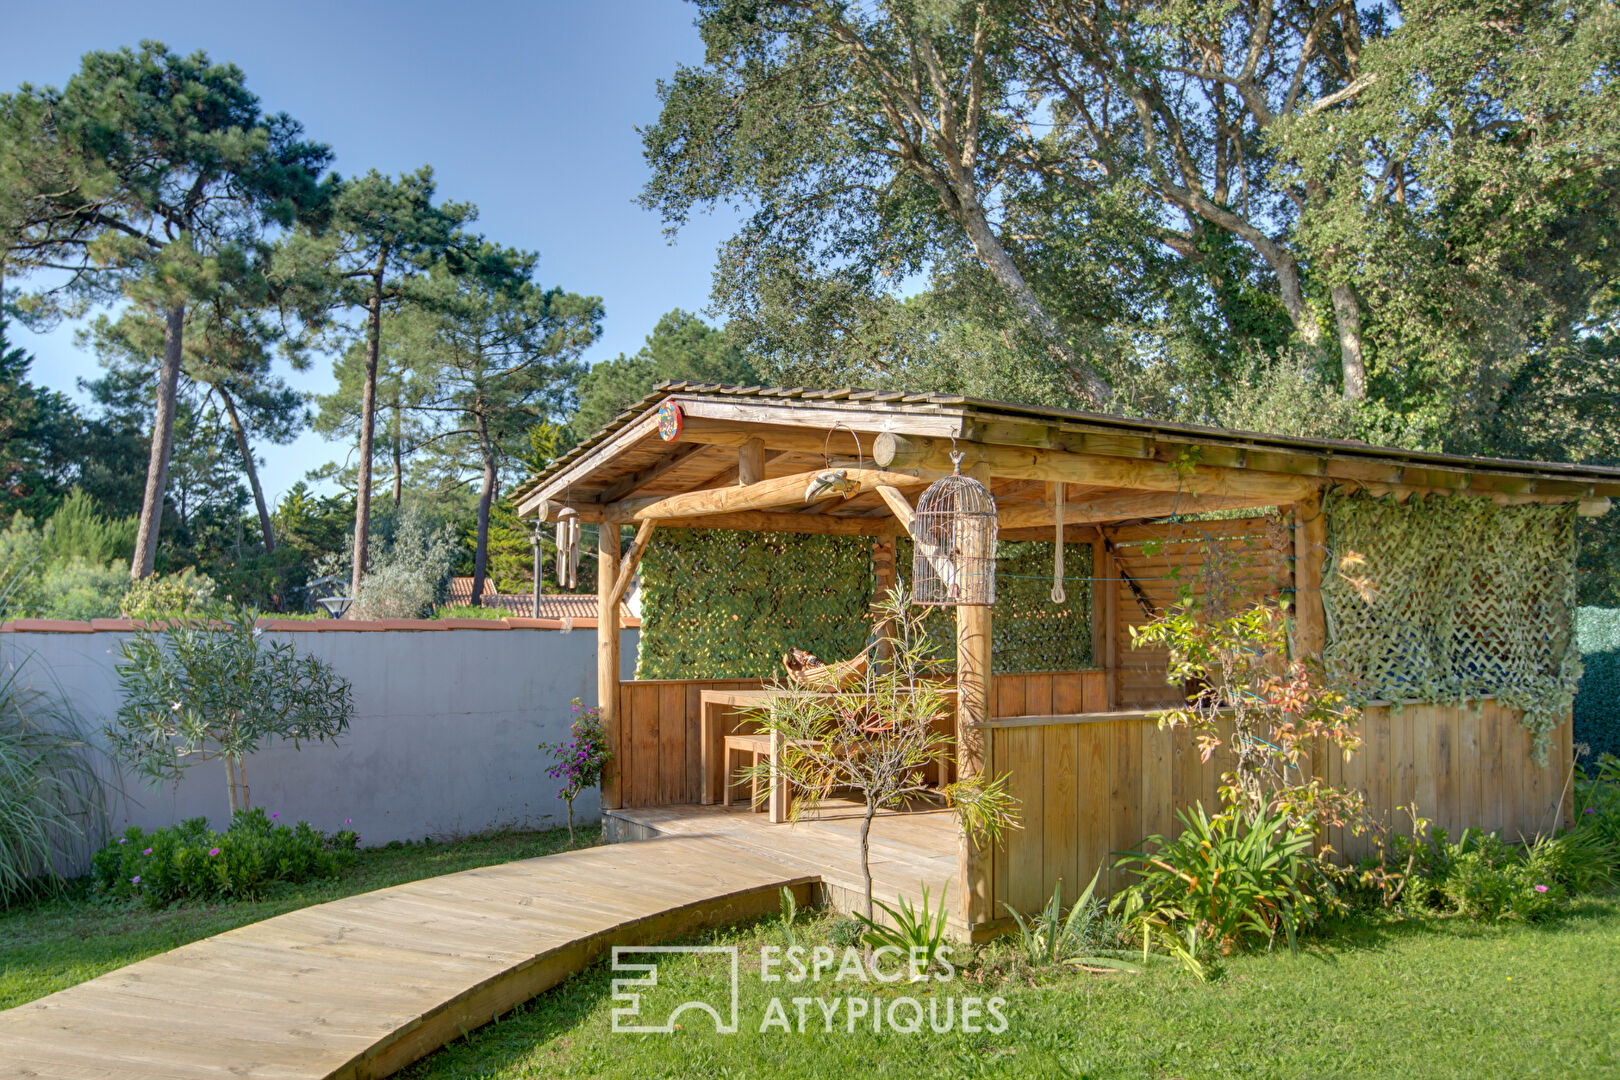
x,y
712,705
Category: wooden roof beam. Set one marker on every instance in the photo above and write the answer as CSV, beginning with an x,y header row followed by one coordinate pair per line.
x,y
765,495
1122,507
1133,474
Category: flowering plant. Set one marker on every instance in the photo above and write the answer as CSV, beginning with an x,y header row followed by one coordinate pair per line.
x,y
582,761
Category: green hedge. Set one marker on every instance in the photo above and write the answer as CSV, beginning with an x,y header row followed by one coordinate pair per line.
x,y
1597,704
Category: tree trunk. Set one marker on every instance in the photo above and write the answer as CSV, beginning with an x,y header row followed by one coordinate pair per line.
x,y
265,528
988,247
399,457
486,494
157,467
866,853
368,428
1347,311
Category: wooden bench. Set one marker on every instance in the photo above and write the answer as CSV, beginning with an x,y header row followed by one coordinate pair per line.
x,y
770,748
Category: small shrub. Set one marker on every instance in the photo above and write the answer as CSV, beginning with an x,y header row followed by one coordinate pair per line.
x,y
918,932
81,590
1481,876
581,762
409,576
844,932
201,691
1055,938
1225,882
168,596
190,862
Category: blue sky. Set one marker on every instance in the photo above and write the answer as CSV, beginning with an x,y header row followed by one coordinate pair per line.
x,y
527,110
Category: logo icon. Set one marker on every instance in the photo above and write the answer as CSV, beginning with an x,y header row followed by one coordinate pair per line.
x,y
630,1019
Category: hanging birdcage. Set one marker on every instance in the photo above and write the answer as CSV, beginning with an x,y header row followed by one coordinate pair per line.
x,y
954,543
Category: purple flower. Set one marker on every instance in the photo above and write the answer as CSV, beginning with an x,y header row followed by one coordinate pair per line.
x,y
212,852
125,839
148,851
1541,888
274,816
1589,810
348,821
136,880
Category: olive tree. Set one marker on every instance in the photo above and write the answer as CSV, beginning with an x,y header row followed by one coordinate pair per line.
x,y
202,690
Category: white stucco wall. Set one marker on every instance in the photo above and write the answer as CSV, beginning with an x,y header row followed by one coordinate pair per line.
x,y
443,741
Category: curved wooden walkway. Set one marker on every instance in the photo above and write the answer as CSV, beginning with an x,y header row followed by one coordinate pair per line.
x,y
363,986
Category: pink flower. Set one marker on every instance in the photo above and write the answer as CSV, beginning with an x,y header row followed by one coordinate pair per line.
x,y
1541,888
213,851
348,821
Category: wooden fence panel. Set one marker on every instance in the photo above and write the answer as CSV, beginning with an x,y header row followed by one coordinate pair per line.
x,y
1097,787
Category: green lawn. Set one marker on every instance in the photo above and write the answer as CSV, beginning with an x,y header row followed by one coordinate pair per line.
x,y
1437,998
52,944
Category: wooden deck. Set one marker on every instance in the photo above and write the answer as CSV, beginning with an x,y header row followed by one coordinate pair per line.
x,y
909,850
361,987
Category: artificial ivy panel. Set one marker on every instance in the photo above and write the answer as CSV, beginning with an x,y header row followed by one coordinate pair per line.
x,y
1450,599
1028,632
717,604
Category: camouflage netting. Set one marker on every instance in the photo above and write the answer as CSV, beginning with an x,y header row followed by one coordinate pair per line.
x,y
1027,631
717,604
727,605
1450,599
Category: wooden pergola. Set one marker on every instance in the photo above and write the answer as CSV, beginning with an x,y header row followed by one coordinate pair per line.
x,y
744,458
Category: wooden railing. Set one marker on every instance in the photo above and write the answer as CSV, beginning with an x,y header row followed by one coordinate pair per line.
x,y
657,761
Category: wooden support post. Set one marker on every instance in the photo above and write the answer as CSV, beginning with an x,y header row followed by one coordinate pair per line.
x,y
607,659
1310,549
1310,618
975,861
751,462
1110,617
1099,604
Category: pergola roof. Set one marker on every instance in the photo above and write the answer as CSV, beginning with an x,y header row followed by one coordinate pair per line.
x,y
1121,468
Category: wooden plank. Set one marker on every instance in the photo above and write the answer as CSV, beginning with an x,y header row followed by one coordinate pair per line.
x,y
1403,755
692,717
1060,858
672,745
1158,795
1445,768
1515,781
642,767
1025,867
1493,775
1095,839
1469,761
1125,796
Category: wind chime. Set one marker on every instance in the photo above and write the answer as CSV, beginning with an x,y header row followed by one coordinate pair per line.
x,y
954,543
568,548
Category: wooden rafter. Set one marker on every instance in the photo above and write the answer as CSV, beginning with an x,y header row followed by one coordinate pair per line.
x,y
767,494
